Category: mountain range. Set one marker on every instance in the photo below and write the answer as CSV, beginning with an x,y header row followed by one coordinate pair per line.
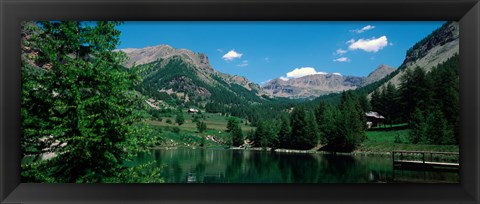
x,y
309,86
312,86
189,74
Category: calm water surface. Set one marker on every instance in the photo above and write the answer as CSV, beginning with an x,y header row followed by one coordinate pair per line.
x,y
183,165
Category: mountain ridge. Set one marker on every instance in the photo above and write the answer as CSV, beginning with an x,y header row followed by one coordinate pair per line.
x,y
311,86
200,61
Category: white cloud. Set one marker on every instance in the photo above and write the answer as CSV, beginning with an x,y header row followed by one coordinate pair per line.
x,y
368,27
340,52
231,55
243,64
336,73
264,82
219,50
342,59
284,78
300,72
368,45
350,41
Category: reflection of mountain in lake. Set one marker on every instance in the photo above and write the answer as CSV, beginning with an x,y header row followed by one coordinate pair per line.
x,y
239,166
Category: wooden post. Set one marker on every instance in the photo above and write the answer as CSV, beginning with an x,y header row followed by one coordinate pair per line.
x,y
424,165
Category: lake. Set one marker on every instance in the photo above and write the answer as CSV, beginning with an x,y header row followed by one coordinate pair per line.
x,y
185,165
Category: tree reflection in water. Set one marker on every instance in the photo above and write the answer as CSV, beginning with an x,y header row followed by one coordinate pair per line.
x,y
184,165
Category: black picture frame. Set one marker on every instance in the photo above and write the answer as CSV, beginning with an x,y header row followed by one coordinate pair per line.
x,y
12,12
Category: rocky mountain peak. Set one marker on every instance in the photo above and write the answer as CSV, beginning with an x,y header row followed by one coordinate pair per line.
x,y
434,49
321,84
150,54
447,33
377,74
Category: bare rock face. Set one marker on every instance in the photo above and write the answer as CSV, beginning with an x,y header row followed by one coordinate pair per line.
x,y
435,49
321,84
311,85
381,71
138,56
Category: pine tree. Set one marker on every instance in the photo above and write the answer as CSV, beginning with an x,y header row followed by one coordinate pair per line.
x,y
350,128
313,135
416,91
418,127
201,126
438,131
86,107
179,118
304,129
364,103
284,133
237,135
391,103
231,123
375,101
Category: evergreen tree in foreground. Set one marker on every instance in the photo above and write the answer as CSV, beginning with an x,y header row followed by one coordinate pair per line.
x,y
86,107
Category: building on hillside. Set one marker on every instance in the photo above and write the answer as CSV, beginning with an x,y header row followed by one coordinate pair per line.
x,y
374,119
192,110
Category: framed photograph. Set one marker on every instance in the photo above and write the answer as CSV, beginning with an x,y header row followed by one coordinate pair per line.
x,y
239,101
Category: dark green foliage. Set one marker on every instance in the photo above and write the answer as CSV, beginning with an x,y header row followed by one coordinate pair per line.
x,y
201,126
376,102
415,91
233,127
436,97
352,122
431,128
237,136
81,100
397,139
328,125
447,92
176,130
156,114
386,103
265,135
202,141
304,129
324,117
364,103
180,76
231,123
438,130
179,118
343,128
284,133
312,138
143,173
418,127
250,135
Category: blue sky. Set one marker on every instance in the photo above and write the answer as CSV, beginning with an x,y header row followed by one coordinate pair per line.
x,y
262,51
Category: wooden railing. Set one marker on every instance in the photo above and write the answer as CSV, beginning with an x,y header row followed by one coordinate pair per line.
x,y
426,160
